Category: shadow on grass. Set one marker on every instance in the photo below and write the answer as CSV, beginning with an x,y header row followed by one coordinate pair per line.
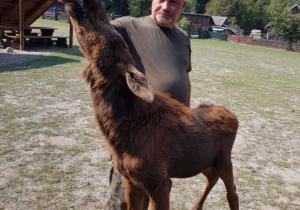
x,y
22,62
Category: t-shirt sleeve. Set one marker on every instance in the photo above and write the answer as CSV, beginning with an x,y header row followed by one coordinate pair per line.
x,y
118,25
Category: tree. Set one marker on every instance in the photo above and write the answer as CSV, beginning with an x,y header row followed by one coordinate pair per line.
x,y
260,15
253,16
201,6
184,24
192,6
139,8
266,2
121,7
276,7
117,7
107,4
227,8
196,6
286,25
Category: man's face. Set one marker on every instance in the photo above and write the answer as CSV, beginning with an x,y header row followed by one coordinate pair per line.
x,y
167,12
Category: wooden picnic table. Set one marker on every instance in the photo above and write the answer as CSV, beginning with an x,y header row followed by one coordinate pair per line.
x,y
28,27
46,31
44,37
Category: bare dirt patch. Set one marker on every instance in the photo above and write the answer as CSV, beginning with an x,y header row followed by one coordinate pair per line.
x,y
17,56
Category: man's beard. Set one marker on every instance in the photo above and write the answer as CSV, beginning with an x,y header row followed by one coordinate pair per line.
x,y
163,18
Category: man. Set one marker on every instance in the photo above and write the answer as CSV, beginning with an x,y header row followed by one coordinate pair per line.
x,y
162,52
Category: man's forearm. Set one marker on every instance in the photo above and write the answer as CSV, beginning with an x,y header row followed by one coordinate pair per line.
x,y
189,90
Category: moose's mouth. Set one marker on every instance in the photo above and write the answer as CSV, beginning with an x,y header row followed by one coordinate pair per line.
x,y
82,11
76,10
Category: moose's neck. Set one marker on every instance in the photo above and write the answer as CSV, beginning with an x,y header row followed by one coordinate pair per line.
x,y
112,101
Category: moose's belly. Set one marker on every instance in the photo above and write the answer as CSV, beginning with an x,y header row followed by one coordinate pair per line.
x,y
188,168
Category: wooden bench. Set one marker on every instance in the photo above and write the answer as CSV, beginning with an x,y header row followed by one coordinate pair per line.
x,y
59,41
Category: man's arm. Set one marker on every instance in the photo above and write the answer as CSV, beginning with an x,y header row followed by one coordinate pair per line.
x,y
189,90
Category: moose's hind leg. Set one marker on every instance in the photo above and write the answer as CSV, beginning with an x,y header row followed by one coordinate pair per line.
x,y
226,174
212,178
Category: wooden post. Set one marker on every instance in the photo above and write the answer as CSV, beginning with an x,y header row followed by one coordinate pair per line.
x,y
71,36
22,24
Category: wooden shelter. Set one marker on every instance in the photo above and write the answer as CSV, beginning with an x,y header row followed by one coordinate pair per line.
x,y
20,14
198,21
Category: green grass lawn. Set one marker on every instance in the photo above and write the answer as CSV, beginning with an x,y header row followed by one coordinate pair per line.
x,y
52,157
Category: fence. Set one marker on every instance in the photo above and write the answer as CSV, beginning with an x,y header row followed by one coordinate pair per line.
x,y
262,42
55,15
239,39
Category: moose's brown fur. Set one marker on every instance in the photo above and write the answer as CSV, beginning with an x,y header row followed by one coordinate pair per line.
x,y
151,137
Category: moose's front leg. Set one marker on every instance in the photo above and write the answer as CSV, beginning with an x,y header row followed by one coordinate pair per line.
x,y
134,196
160,199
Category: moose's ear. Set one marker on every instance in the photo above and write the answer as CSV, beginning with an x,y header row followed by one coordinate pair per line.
x,y
139,85
87,73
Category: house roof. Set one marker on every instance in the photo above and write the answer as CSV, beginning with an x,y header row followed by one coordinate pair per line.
x,y
235,31
33,9
293,7
195,14
219,20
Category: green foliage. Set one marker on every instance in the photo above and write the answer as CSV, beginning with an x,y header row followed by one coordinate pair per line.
x,y
286,25
248,14
139,8
191,6
184,24
266,2
117,7
228,8
202,5
276,7
253,16
244,14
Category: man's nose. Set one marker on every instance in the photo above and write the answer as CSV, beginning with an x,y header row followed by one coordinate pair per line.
x,y
165,6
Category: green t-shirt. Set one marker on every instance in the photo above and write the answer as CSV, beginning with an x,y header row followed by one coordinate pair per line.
x,y
162,54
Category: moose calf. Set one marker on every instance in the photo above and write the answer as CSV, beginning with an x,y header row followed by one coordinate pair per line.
x,y
150,136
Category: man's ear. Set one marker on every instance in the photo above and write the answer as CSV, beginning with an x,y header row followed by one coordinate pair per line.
x,y
139,85
184,4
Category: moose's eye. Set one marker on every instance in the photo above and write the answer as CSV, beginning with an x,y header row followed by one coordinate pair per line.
x,y
115,38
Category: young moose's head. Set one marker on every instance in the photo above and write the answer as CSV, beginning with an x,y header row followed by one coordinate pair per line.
x,y
101,44
104,47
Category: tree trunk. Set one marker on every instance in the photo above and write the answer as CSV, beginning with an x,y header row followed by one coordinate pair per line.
x,y
289,45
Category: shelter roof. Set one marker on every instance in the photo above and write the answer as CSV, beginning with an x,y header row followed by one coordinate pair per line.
x,y
219,20
33,9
